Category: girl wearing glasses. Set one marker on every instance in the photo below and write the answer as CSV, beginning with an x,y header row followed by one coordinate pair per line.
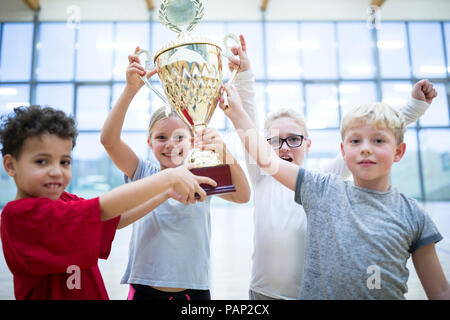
x,y
279,229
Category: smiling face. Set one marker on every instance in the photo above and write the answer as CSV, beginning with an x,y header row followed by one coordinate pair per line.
x,y
369,153
43,168
171,142
283,128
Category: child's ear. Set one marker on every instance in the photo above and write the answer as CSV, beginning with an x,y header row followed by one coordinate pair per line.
x,y
342,150
149,142
399,152
9,165
307,143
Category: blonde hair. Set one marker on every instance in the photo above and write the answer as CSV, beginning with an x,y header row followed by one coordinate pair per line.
x,y
289,113
160,114
378,114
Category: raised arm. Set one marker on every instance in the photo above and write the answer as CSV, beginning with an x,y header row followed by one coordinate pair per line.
x,y
120,152
255,143
422,95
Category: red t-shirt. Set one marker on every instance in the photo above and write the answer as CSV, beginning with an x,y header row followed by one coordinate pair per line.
x,y
52,247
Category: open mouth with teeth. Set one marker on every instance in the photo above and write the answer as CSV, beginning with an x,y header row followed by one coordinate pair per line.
x,y
172,155
53,185
287,158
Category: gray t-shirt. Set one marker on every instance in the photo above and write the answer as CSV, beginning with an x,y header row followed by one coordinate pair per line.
x,y
358,240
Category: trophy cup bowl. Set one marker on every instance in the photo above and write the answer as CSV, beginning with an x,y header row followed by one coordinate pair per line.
x,y
190,69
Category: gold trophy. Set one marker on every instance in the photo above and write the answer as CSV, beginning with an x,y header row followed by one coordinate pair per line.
x,y
190,69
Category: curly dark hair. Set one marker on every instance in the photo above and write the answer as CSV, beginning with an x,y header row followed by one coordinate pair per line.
x,y
33,121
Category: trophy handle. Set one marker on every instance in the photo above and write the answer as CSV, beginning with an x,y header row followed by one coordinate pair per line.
x,y
148,67
228,52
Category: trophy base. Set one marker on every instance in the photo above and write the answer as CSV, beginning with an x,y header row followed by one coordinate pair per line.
x,y
221,174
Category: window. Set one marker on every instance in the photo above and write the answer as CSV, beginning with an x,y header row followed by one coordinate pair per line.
x,y
356,57
405,174
396,93
353,94
90,167
55,58
437,113
284,95
92,107
321,69
427,51
138,114
13,95
325,146
283,52
318,50
128,36
393,50
16,55
94,51
58,96
322,106
435,146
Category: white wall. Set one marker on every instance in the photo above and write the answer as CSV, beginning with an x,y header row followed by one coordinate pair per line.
x,y
115,10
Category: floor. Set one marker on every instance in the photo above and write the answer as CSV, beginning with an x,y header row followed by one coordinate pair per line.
x,y
231,247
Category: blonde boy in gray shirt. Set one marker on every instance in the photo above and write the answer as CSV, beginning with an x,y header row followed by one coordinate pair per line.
x,y
360,234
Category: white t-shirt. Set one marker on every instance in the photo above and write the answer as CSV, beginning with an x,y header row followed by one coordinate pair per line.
x,y
279,222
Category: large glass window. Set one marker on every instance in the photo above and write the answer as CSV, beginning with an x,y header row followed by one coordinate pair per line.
x,y
283,95
95,51
283,51
16,53
427,51
90,167
322,106
355,50
318,50
396,93
393,50
405,174
13,95
92,106
321,69
56,50
354,93
128,36
325,146
435,145
437,113
58,96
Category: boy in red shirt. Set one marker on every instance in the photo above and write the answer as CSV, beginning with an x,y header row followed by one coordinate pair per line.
x,y
52,239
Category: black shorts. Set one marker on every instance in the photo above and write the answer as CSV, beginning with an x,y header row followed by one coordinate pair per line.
x,y
142,292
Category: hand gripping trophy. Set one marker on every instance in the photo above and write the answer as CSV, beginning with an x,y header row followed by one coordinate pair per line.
x,y
190,69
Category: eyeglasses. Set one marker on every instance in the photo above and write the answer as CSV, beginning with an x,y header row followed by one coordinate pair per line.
x,y
293,141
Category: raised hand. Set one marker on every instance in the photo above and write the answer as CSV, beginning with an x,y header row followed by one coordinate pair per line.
x,y
243,63
424,90
135,70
